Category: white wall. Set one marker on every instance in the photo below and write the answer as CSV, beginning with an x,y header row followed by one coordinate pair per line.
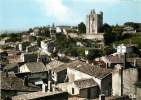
x,y
68,87
24,68
77,75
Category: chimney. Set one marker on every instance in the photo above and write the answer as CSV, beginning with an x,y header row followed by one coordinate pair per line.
x,y
26,81
135,62
44,87
50,86
101,97
119,71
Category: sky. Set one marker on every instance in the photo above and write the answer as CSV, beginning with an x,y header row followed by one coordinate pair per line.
x,y
23,14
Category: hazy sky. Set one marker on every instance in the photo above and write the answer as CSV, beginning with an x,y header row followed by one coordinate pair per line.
x,y
22,14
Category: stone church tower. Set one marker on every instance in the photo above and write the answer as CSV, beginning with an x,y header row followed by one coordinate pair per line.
x,y
94,22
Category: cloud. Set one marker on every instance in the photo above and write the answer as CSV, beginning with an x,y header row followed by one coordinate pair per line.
x,y
97,1
58,10
62,13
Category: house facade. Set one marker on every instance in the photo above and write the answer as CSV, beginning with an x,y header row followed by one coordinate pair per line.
x,y
36,72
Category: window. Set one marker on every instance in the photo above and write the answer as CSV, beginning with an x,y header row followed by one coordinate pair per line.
x,y
72,90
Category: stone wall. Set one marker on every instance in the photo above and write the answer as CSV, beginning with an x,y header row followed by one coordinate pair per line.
x,y
106,85
123,82
138,93
130,77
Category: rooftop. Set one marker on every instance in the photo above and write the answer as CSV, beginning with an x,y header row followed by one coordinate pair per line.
x,y
11,82
36,95
36,67
91,70
85,83
54,64
115,59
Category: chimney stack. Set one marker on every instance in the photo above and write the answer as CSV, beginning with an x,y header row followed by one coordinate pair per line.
x,y
135,62
49,85
44,87
101,97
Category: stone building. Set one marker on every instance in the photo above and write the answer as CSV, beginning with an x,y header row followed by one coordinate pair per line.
x,y
29,57
48,46
12,86
35,71
22,46
124,81
32,48
78,70
84,88
94,22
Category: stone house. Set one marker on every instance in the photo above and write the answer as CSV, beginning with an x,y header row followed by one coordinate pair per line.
x,y
77,70
128,29
3,55
12,85
25,37
43,57
124,80
48,46
121,49
36,72
84,88
32,48
112,60
4,41
29,57
59,30
22,46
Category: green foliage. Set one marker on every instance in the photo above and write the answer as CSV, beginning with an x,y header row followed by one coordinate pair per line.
x,y
32,38
112,33
13,37
62,42
133,38
5,47
132,24
93,53
136,26
81,28
108,50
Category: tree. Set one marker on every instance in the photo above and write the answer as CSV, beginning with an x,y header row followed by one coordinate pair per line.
x,y
81,28
109,50
30,30
93,53
132,24
112,34
106,28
